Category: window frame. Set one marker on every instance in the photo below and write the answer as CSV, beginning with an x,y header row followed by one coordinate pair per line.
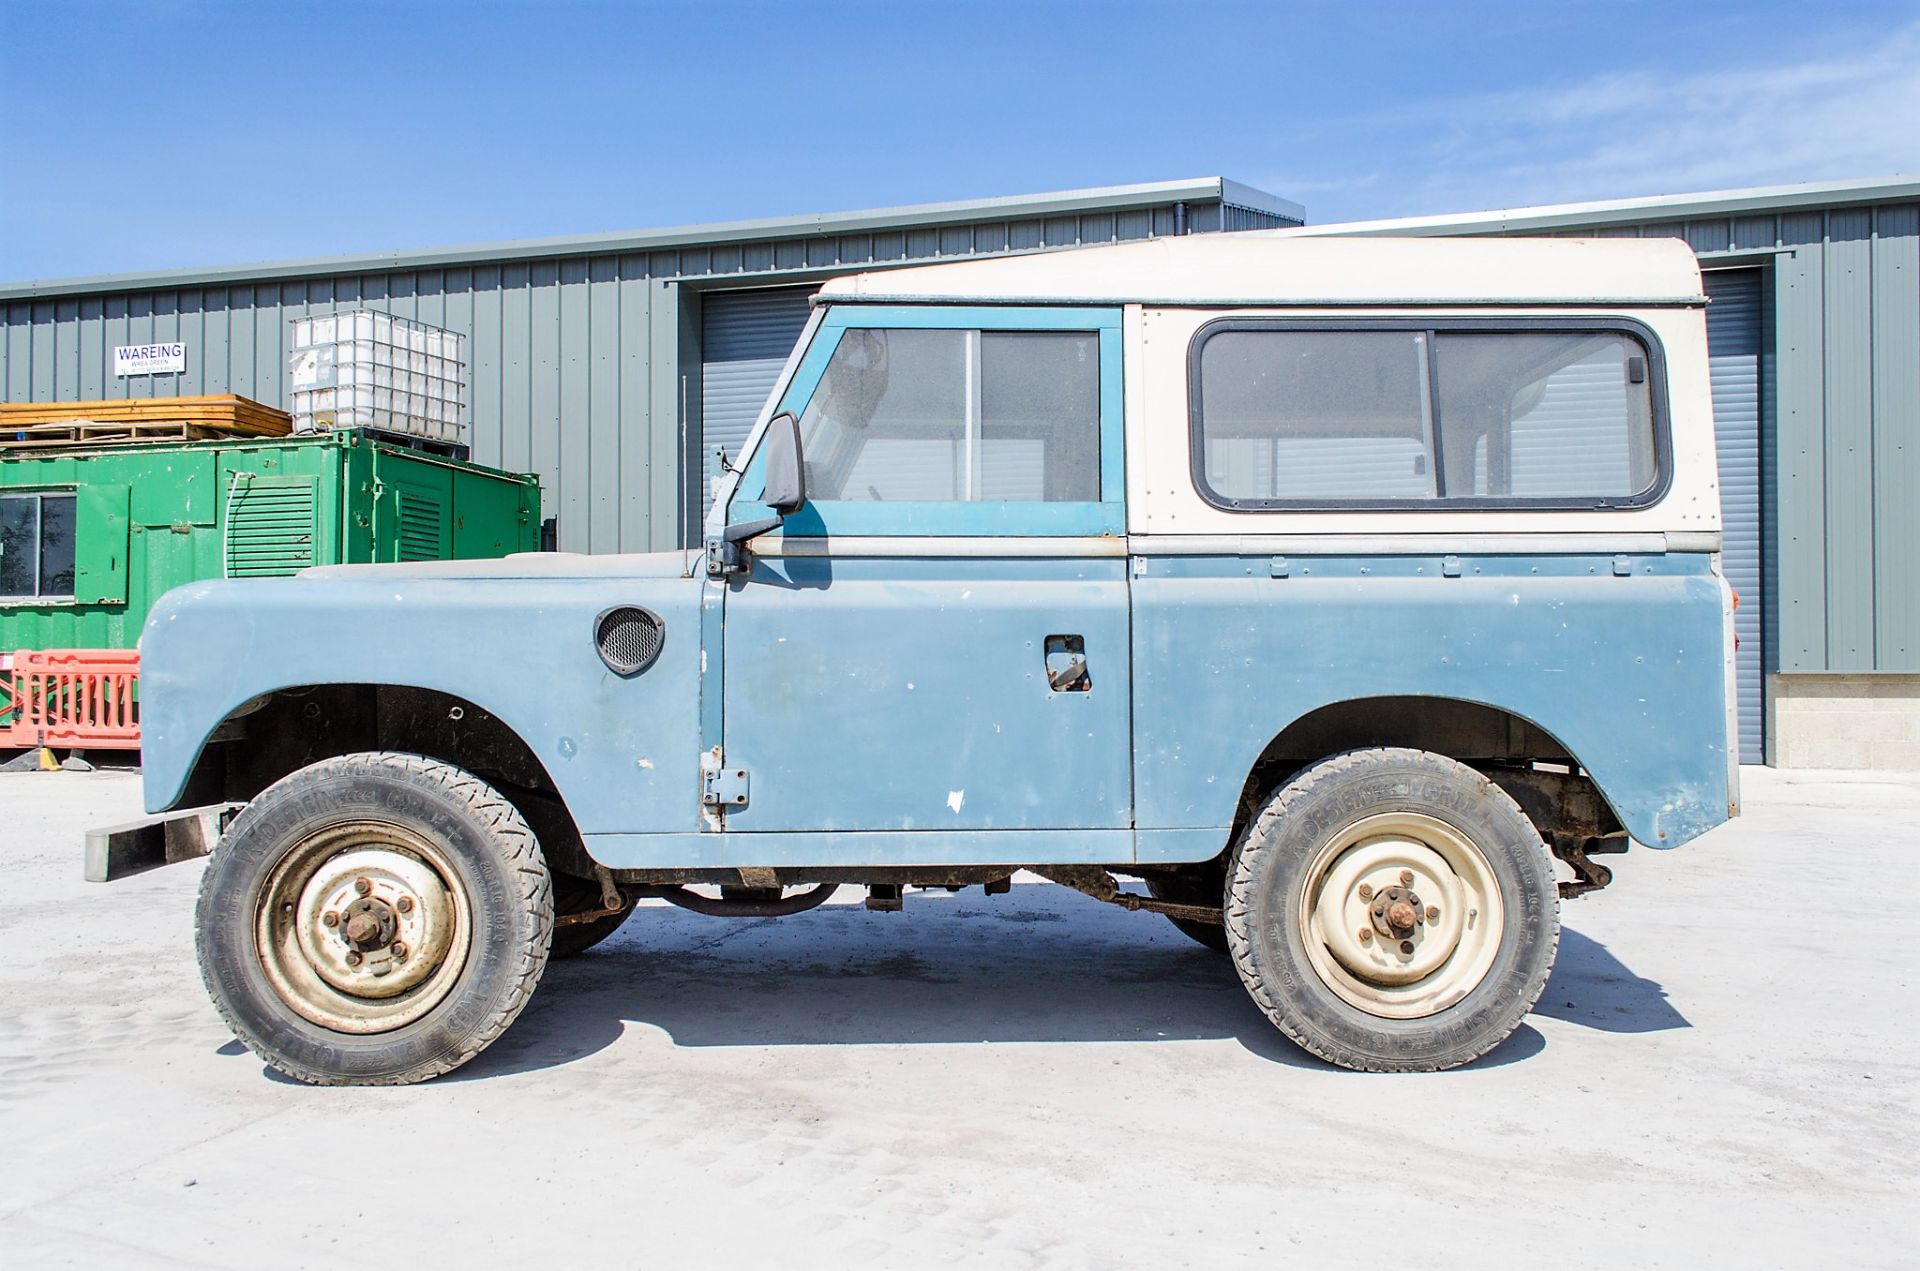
x,y
40,497
903,518
1434,327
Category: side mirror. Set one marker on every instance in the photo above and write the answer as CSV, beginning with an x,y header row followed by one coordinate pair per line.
x,y
786,469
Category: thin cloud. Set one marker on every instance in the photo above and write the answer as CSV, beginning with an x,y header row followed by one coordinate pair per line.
x,y
1635,133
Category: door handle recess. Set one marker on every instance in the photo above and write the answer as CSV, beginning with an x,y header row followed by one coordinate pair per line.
x,y
1067,670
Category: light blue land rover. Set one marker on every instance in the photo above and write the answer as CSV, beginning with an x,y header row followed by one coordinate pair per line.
x,y
1332,589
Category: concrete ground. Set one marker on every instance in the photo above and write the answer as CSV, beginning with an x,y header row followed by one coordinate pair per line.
x,y
1723,1070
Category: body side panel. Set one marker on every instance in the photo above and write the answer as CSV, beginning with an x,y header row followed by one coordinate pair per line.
x,y
623,753
1620,658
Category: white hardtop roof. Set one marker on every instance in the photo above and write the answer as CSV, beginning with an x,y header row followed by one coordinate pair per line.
x,y
1262,267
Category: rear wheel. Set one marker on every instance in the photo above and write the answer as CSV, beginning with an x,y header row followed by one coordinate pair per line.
x,y
374,919
1393,910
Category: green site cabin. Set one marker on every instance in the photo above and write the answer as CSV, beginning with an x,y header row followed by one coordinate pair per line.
x,y
148,517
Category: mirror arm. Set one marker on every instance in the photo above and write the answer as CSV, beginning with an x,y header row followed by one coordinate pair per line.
x,y
752,529
727,555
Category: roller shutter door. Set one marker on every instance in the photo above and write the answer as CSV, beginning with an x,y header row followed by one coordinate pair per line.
x,y
745,337
1733,345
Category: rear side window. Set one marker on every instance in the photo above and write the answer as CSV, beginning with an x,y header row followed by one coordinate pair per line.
x,y
1391,415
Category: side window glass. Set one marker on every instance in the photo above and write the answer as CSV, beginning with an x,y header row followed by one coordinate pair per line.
x,y
1317,415
1287,416
956,416
19,545
1547,415
56,544
36,545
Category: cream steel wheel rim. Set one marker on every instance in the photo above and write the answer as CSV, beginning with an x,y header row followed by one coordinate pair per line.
x,y
1401,915
362,929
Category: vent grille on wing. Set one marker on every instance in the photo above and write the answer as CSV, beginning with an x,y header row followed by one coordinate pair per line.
x,y
629,639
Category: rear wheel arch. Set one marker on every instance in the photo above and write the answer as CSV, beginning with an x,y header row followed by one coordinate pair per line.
x,y
1526,760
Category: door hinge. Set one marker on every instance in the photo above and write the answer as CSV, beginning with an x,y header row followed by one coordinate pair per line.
x,y
724,788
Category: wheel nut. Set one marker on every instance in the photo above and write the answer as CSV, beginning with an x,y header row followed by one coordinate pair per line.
x,y
1406,946
362,886
1433,913
1366,891
404,904
353,957
1366,935
1406,878
399,949
330,918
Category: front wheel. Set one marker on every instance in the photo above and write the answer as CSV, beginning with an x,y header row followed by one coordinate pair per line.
x,y
1193,885
374,919
1393,911
573,897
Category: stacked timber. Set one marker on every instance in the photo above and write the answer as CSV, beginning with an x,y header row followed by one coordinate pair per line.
x,y
46,425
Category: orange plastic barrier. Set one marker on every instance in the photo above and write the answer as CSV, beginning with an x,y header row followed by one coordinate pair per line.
x,y
80,698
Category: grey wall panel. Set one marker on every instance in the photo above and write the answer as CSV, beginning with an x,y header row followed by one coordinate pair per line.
x,y
1896,438
485,431
1750,232
603,403
635,354
1849,440
1800,445
571,366
543,398
669,405
42,354
516,370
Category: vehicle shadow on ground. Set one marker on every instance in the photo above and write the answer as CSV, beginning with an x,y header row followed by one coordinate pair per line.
x,y
1592,988
1040,965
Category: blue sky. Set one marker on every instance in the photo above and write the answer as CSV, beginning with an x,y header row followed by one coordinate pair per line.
x,y
157,134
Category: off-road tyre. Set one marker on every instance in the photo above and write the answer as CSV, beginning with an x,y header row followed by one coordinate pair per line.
x,y
582,895
1195,885
486,846
1268,876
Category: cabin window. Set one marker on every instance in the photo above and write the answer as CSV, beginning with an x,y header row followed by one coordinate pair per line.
x,y
36,546
1303,415
956,415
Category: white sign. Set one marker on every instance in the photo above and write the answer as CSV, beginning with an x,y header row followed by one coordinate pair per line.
x,y
150,359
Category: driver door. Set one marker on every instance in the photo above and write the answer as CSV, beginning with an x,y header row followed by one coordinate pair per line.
x,y
937,642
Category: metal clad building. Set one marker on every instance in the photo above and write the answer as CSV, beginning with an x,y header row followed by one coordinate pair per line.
x,y
1815,337
588,355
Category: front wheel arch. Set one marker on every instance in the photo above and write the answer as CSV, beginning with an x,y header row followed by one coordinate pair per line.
x,y
273,735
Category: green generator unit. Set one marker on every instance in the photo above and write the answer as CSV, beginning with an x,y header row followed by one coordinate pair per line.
x,y
92,536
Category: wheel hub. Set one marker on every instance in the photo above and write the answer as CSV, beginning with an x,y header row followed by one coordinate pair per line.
x,y
1396,912
391,922
361,931
370,924
1397,915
